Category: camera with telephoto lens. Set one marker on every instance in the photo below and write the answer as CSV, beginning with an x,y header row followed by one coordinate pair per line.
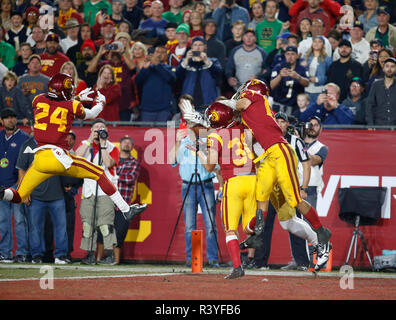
x,y
103,134
301,127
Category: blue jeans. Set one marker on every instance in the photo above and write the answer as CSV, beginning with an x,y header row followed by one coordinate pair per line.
x,y
57,211
190,217
20,225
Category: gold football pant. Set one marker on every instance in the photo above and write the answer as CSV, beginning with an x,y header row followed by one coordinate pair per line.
x,y
279,167
238,199
45,165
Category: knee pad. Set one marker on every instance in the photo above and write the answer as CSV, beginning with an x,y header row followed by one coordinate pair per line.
x,y
106,229
87,230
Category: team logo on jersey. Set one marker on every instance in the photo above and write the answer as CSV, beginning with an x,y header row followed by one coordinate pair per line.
x,y
266,32
4,163
67,83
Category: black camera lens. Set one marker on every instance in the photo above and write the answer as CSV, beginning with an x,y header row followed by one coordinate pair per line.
x,y
103,134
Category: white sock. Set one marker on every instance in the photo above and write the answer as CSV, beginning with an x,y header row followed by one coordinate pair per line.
x,y
301,229
119,201
8,195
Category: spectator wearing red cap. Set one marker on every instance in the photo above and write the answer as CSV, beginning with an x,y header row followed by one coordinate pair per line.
x,y
92,7
88,52
32,14
52,59
107,33
66,12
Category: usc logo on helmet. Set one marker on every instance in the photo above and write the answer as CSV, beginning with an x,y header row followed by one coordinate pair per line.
x,y
67,83
214,116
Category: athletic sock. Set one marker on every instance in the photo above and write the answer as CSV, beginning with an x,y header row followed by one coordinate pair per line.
x,y
233,249
250,226
119,202
313,218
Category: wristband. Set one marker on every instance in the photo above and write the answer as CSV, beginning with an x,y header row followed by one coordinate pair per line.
x,y
305,190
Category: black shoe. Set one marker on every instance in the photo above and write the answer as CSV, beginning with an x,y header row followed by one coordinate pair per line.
x,y
2,192
134,210
252,265
37,259
109,260
252,242
259,227
324,235
89,259
21,259
236,273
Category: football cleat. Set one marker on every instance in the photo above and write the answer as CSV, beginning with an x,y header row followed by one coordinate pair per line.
x,y
322,255
253,241
235,273
259,227
324,235
134,210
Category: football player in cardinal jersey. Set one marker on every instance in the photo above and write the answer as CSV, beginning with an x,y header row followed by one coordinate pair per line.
x,y
54,113
277,171
228,147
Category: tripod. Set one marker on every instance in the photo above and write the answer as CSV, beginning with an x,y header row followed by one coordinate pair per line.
x,y
196,177
357,233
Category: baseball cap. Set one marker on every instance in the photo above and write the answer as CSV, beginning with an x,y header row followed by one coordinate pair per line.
x,y
249,30
198,38
291,48
345,42
315,118
282,115
171,25
146,4
358,24
357,79
108,21
7,112
377,41
34,56
391,59
283,35
383,9
52,37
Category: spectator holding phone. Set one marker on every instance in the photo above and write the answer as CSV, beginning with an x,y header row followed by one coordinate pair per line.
x,y
288,79
328,109
198,73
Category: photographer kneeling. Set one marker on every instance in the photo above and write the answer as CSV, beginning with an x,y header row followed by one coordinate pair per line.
x,y
97,209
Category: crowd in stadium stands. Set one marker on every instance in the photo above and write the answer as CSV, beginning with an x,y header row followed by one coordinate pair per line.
x,y
144,55
327,58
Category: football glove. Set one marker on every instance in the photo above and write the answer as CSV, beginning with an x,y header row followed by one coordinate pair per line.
x,y
83,95
193,116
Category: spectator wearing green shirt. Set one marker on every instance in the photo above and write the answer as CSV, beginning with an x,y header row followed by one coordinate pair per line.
x,y
92,7
7,53
270,28
175,14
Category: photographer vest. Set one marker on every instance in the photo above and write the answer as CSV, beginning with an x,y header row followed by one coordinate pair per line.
x,y
92,154
316,171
